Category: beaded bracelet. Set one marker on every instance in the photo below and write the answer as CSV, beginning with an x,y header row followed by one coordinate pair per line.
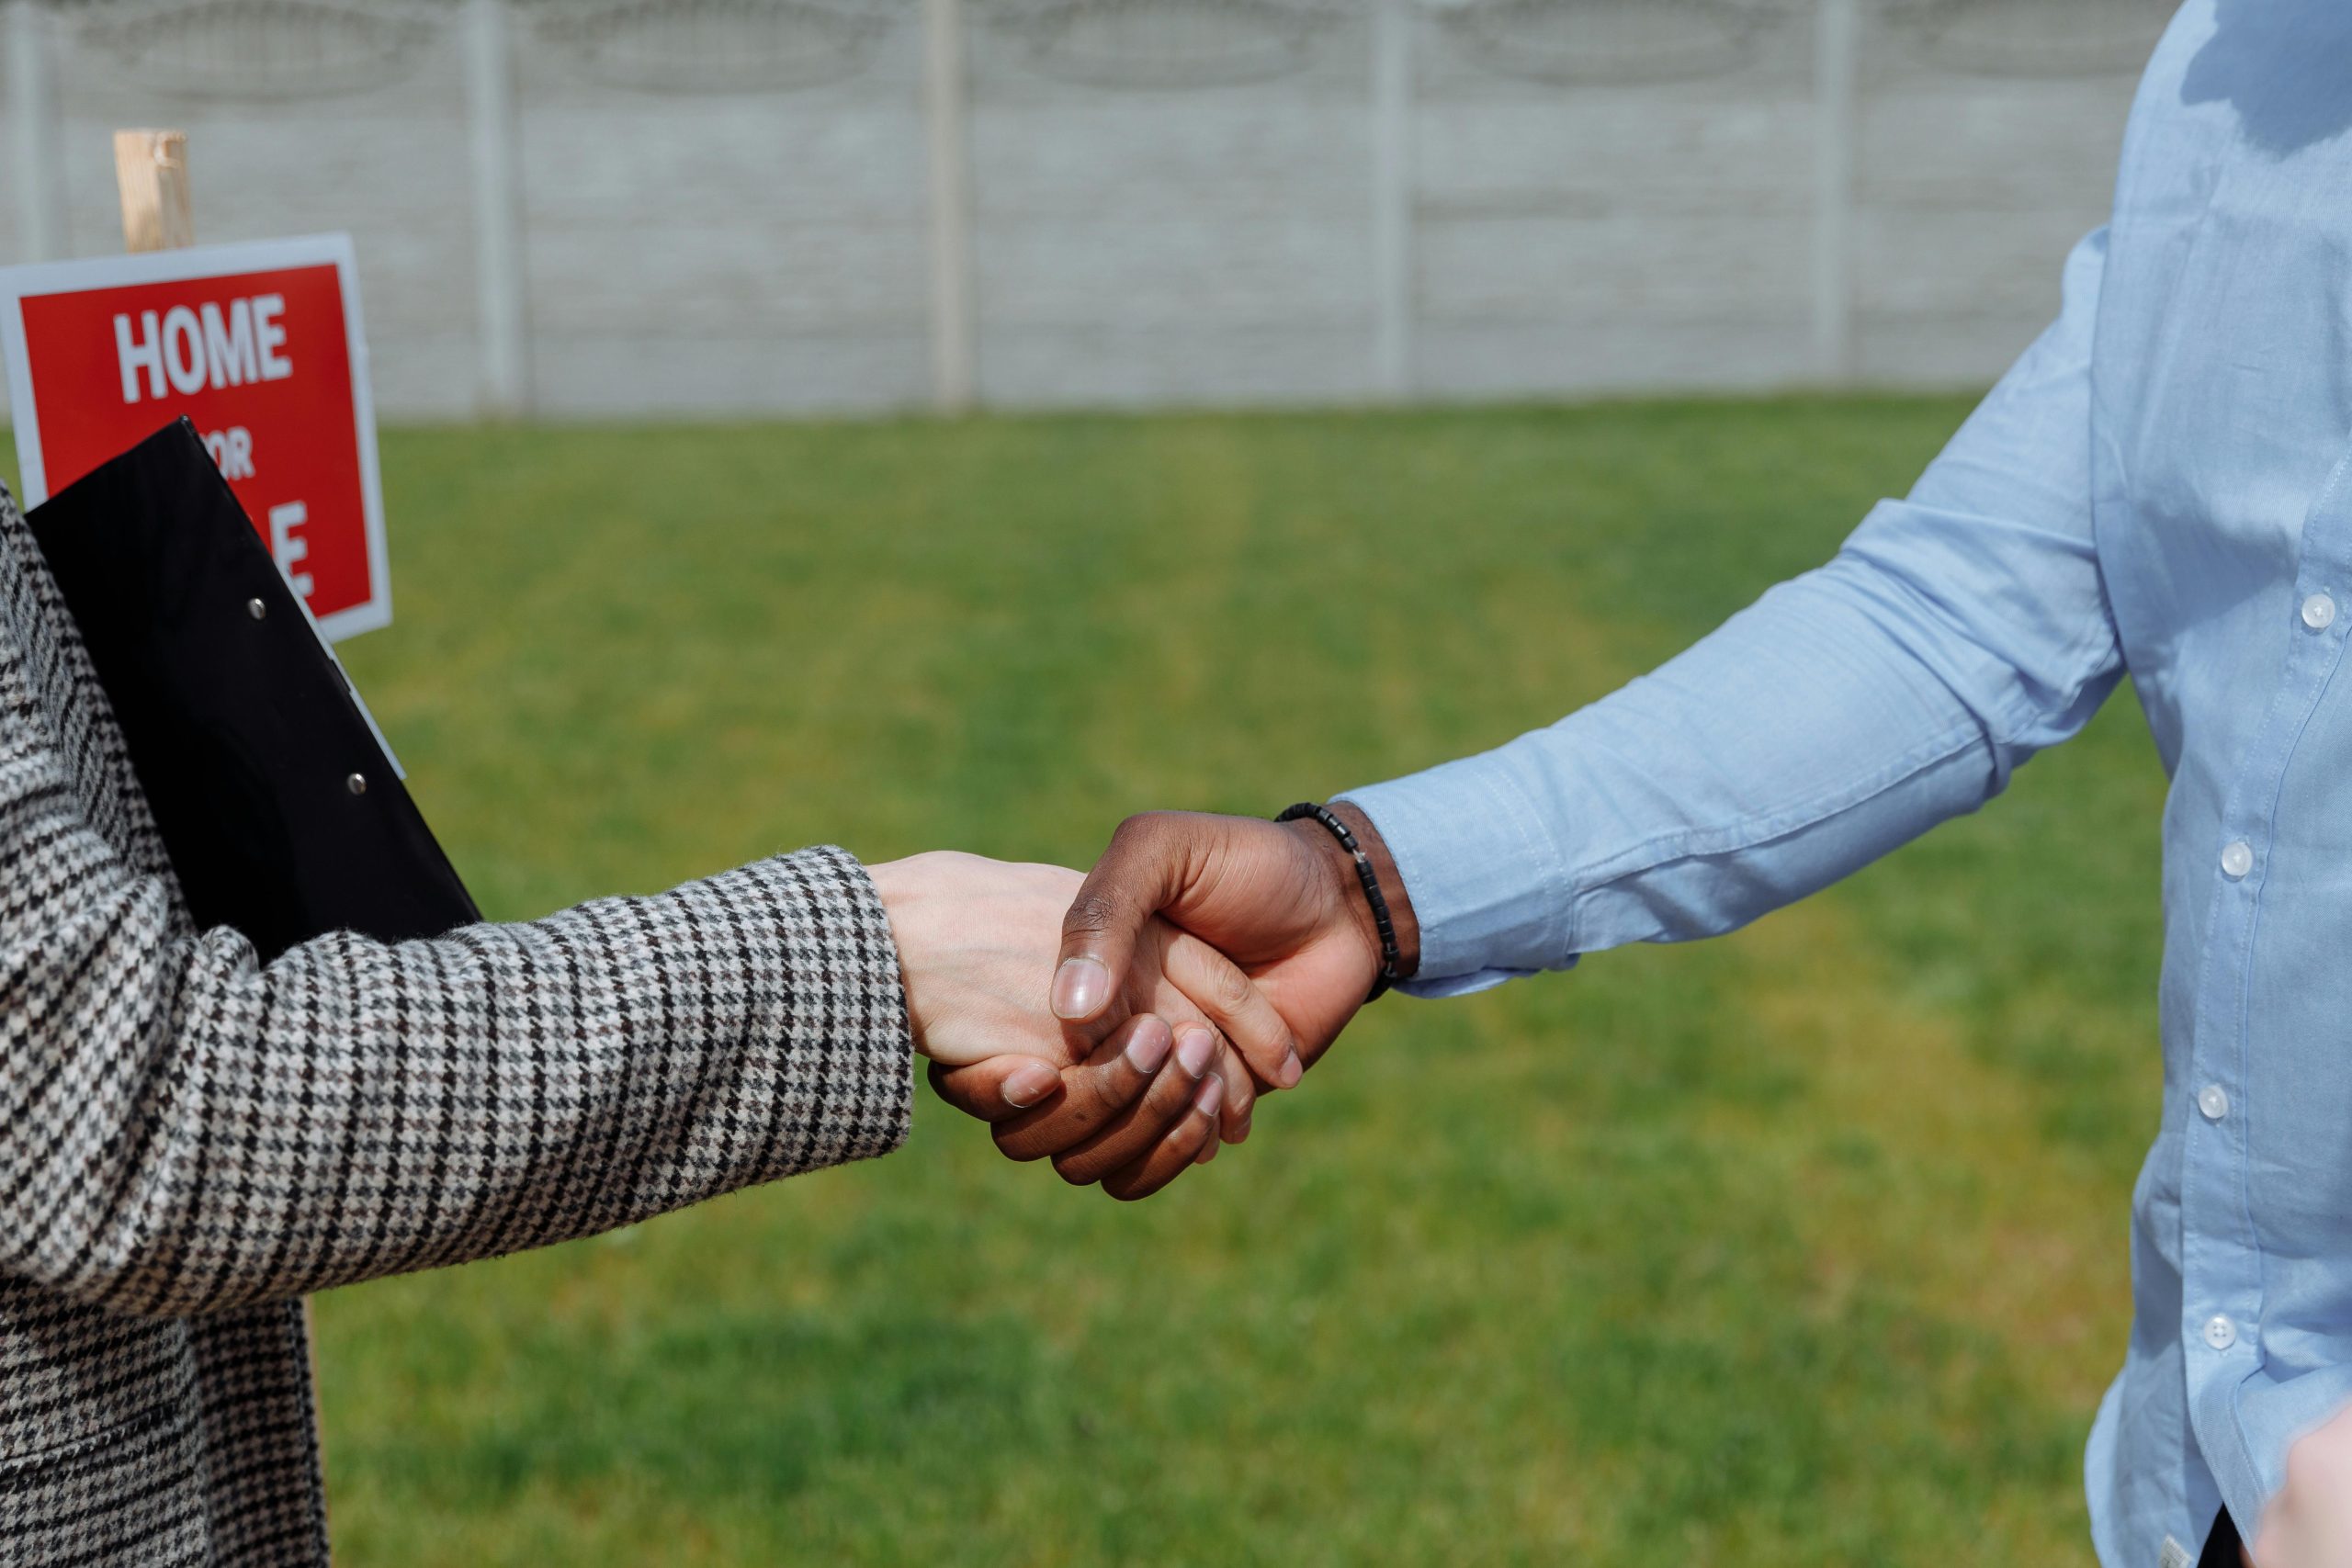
x,y
1389,958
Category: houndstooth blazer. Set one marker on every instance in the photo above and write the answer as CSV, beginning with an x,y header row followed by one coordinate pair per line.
x,y
189,1141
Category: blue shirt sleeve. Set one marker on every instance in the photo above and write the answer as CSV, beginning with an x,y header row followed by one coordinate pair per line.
x,y
1958,632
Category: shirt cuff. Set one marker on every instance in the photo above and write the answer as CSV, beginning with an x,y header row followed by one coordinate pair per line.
x,y
1488,886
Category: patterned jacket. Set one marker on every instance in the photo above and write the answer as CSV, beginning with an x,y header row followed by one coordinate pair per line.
x,y
189,1141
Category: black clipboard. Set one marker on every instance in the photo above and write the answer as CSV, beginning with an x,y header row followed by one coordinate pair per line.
x,y
284,815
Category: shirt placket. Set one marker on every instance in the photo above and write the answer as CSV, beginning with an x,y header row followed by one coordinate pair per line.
x,y
2222,1301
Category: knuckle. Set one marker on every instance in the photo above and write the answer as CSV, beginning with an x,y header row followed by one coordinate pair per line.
x,y
1170,1092
1019,1145
1083,1112
1142,828
1230,988
1150,836
1127,1187
1118,1086
1092,913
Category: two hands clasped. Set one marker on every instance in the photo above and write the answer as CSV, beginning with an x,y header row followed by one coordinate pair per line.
x,y
1125,1023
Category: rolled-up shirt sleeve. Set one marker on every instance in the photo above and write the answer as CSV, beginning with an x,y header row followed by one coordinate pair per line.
x,y
1958,632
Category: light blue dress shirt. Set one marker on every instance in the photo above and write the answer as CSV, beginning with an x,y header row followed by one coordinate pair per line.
x,y
2160,486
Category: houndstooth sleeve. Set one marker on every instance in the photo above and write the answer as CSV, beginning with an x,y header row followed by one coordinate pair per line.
x,y
184,1129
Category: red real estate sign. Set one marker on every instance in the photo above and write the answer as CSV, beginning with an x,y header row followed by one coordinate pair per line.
x,y
259,345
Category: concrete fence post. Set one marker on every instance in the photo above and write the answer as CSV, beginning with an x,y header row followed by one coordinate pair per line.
x,y
955,327
1392,196
1838,26
502,300
32,133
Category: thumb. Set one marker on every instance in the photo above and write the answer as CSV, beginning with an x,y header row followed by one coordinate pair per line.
x,y
1138,875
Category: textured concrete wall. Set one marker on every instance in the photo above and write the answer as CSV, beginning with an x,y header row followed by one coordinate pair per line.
x,y
726,205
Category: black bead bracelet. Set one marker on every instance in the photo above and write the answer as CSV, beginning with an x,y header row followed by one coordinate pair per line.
x,y
1389,958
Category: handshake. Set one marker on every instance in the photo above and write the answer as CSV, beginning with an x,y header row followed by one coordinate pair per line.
x,y
1124,1023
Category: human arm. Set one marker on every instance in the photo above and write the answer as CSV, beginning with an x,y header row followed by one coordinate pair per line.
x,y
185,1129
1959,631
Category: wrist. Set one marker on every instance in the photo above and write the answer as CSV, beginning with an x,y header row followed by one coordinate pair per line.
x,y
1345,885
1401,919
896,883
902,886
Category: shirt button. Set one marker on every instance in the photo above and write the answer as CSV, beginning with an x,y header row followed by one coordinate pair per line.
x,y
2214,1101
2319,612
2237,860
2221,1333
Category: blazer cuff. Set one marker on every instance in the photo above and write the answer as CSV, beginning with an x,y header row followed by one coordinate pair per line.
x,y
839,1059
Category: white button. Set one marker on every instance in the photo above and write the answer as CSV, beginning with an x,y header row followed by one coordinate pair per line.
x,y
2237,860
2221,1333
2319,612
2214,1101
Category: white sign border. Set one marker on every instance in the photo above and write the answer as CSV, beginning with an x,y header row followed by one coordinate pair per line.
x,y
39,279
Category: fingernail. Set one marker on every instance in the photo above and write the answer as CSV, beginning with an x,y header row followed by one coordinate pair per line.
x,y
1080,987
1193,1055
1237,1135
1209,1097
1030,1084
1148,1048
1291,1071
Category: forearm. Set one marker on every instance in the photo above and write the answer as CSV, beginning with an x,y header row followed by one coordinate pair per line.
x,y
1805,739
209,1131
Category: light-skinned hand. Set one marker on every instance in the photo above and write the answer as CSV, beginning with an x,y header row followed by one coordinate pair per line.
x,y
2309,1523
1128,1104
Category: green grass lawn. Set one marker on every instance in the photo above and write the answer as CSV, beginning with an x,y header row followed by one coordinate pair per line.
x,y
1806,1246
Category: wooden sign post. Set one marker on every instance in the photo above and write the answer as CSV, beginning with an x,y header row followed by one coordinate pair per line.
x,y
150,170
